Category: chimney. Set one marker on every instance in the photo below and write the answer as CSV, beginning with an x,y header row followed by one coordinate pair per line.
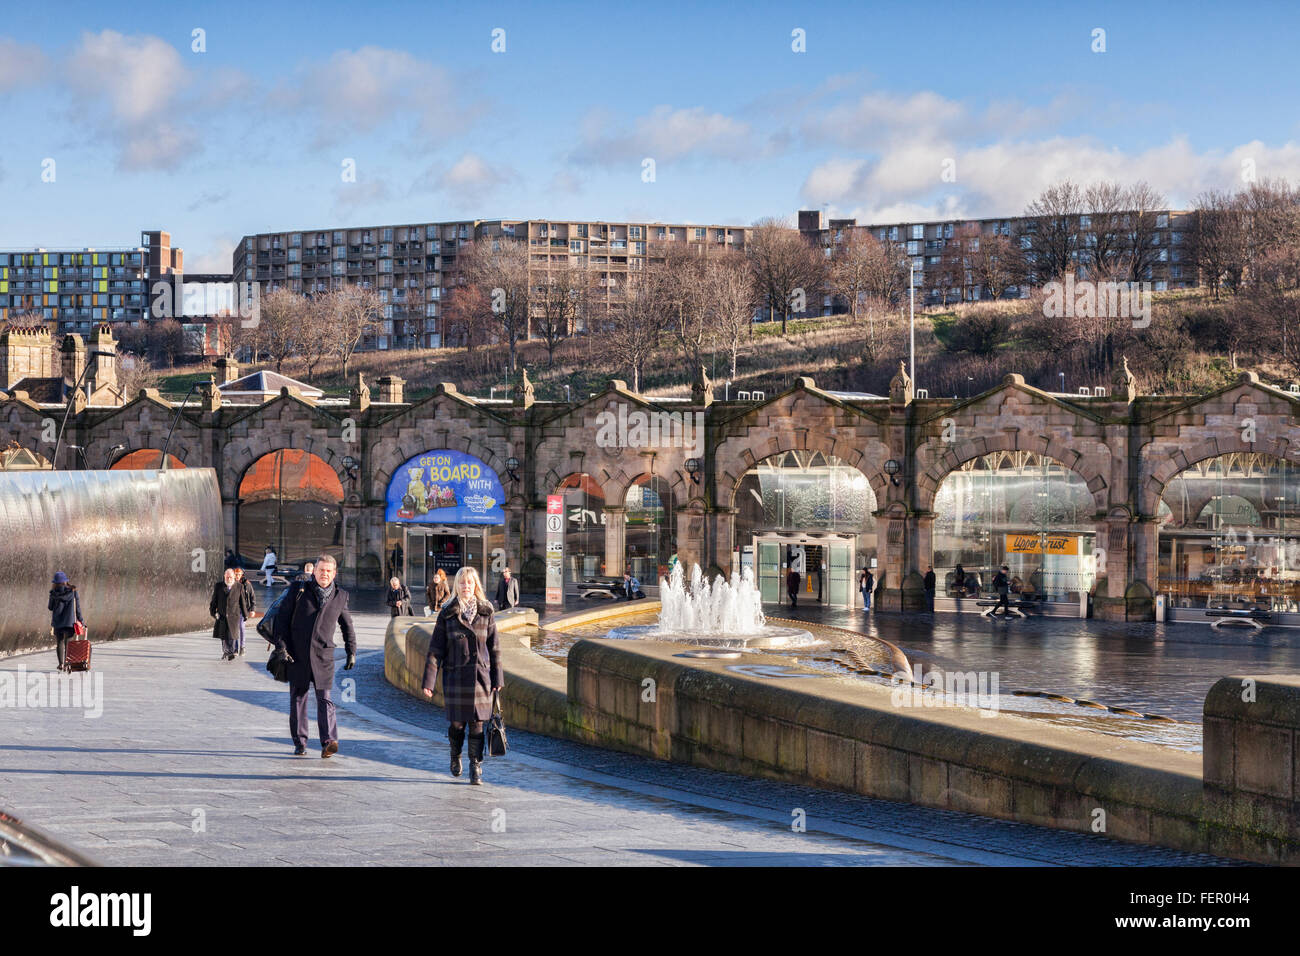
x,y
227,370
103,368
25,352
73,358
389,389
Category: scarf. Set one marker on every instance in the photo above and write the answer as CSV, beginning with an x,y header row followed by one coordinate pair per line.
x,y
468,611
322,594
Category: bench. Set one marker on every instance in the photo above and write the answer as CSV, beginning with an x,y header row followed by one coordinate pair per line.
x,y
594,589
991,605
1252,616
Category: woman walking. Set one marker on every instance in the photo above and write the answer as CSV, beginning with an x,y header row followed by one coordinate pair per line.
x,y
464,647
399,597
437,591
229,604
65,612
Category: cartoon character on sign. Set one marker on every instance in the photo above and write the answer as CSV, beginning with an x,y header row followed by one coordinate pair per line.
x,y
419,495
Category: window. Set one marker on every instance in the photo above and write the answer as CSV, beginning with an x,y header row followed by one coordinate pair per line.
x,y
295,240
386,235
1085,222
913,247
633,232
918,232
1162,221
638,248
699,233
893,233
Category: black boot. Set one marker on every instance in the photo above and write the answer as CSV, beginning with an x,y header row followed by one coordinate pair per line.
x,y
476,758
457,737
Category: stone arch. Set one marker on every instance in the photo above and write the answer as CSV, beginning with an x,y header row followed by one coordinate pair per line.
x,y
388,454
959,453
621,483
1157,479
734,457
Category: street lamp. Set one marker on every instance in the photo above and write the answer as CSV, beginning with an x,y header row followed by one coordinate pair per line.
x,y
179,408
1062,374
693,469
512,465
54,462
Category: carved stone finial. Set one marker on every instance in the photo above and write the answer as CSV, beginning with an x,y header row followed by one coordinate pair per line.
x,y
210,396
359,397
1125,382
900,386
702,388
523,393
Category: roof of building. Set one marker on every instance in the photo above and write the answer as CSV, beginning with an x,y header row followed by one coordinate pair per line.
x,y
40,389
267,383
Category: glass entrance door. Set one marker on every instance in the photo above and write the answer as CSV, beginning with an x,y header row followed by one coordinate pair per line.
x,y
769,570
840,562
828,577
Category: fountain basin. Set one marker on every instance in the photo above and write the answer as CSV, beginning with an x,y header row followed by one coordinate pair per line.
x,y
769,636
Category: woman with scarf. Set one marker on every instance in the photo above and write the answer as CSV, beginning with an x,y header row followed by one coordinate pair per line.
x,y
437,591
464,647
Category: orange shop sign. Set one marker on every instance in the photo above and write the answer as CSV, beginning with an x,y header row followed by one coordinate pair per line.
x,y
1033,544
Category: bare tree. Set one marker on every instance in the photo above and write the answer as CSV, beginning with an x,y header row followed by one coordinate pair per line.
x,y
1218,240
788,269
316,341
500,267
677,271
559,298
280,327
1139,249
135,372
950,275
1103,242
1052,230
996,263
633,328
354,313
730,296
864,269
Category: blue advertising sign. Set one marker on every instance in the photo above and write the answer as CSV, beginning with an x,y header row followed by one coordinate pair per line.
x,y
445,487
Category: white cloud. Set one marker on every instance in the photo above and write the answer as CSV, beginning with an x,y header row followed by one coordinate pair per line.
x,y
20,65
365,90
140,80
663,134
218,257
470,177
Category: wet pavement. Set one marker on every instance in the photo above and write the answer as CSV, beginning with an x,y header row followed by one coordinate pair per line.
x,y
189,763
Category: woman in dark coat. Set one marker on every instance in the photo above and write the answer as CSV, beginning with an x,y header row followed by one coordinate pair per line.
x,y
229,605
399,597
65,612
438,591
464,647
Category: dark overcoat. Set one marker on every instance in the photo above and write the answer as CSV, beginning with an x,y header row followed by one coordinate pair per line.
x,y
65,606
508,592
469,659
230,605
306,630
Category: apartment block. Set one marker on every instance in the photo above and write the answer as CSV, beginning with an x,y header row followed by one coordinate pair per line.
x,y
411,266
926,244
80,288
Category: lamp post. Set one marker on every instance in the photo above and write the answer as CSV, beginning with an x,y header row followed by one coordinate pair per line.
x,y
1062,374
54,462
911,314
179,408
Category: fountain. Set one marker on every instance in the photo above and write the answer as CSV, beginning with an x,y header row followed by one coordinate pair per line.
x,y
720,613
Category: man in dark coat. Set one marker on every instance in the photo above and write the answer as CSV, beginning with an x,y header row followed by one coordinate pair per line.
x,y
1002,584
792,581
229,606
507,591
304,632
929,587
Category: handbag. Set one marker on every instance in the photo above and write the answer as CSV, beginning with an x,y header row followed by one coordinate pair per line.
x,y
78,629
496,729
278,667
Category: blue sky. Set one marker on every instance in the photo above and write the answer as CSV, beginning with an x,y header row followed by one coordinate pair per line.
x,y
253,133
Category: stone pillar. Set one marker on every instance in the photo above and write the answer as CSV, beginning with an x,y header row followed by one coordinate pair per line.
x,y
390,389
73,358
615,540
690,537
920,541
722,539
353,536
227,370
890,539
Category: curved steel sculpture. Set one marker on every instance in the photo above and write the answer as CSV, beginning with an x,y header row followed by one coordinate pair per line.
x,y
144,549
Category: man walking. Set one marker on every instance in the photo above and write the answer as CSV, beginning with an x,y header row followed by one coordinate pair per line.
x,y
304,632
929,587
1002,584
268,564
792,582
507,591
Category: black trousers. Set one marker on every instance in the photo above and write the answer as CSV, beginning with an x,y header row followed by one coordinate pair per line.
x,y
62,636
326,722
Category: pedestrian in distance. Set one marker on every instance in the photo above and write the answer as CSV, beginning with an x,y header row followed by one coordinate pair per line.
x,y
507,591
792,581
247,585
1002,584
65,613
929,587
308,571
232,561
304,628
228,606
268,564
464,648
959,581
438,591
399,598
631,586
867,582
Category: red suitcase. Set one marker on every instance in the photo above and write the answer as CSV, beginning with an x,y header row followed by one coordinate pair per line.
x,y
77,655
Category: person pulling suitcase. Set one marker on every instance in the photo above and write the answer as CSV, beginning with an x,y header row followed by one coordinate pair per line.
x,y
65,614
